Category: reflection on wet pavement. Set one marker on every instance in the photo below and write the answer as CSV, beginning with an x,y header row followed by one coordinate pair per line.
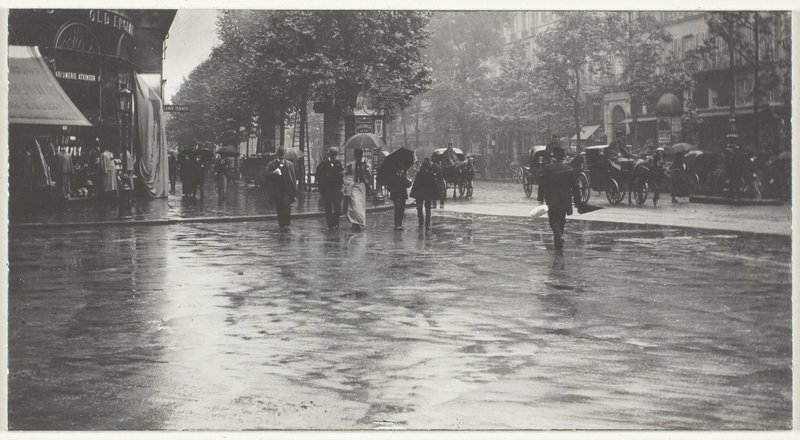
x,y
477,324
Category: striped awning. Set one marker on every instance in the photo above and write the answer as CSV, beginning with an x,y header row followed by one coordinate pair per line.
x,y
34,94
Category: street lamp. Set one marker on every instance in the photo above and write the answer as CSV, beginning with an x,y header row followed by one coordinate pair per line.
x,y
125,98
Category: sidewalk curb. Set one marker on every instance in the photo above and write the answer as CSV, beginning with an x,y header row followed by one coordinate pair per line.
x,y
175,221
718,200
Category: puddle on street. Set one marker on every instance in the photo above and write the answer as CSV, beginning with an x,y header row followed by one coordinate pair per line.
x,y
478,323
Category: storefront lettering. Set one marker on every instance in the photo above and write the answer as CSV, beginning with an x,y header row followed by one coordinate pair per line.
x,y
76,76
110,19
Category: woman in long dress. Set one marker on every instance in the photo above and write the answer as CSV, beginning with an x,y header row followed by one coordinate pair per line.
x,y
358,171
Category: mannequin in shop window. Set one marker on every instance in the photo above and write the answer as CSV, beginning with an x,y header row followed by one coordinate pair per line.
x,y
108,170
65,170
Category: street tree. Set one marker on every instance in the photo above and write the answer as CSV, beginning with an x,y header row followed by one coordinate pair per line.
x,y
759,45
571,49
637,41
329,57
459,46
521,102
204,123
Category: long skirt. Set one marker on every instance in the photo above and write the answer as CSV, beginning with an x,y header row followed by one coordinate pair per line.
x,y
357,208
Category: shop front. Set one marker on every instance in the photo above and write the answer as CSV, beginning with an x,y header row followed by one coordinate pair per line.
x,y
94,57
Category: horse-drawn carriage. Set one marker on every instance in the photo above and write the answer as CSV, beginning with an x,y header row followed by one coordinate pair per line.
x,y
459,176
630,176
533,173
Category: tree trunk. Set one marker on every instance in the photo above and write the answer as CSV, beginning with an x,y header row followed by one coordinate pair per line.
x,y
756,88
416,126
731,79
333,130
405,132
305,161
634,123
575,110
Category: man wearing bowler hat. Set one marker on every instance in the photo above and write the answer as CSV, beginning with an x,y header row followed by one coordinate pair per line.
x,y
284,188
559,189
330,178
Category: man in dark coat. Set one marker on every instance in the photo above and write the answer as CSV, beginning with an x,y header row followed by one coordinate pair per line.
x,y
173,171
424,191
284,189
330,179
617,148
559,190
554,144
398,184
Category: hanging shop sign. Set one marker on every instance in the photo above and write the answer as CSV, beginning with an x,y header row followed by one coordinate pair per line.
x,y
111,19
176,108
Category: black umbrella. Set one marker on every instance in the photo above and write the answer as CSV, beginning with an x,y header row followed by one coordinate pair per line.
x,y
398,159
585,208
228,150
680,147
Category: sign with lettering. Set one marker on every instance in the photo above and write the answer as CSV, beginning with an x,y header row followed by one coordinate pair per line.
x,y
111,19
176,108
77,76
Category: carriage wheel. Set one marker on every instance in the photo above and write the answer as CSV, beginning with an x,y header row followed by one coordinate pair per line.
x,y
640,188
527,185
613,194
583,186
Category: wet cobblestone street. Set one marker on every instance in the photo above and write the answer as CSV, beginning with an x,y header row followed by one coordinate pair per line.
x,y
478,324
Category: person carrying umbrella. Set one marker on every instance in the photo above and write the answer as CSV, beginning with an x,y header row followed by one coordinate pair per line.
x,y
425,190
398,184
559,190
284,189
678,187
330,179
359,172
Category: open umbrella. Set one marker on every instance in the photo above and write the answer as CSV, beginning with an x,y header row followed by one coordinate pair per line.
x,y
586,208
228,150
294,153
680,147
401,158
364,141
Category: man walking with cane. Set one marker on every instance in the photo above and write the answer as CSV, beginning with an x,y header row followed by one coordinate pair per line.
x,y
330,179
559,189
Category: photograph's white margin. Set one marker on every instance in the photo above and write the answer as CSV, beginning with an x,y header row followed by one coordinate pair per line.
x,y
400,4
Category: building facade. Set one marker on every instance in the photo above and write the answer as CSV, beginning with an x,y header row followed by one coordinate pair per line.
x,y
93,57
603,113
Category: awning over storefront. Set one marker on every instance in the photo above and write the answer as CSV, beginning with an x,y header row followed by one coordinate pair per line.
x,y
34,95
586,132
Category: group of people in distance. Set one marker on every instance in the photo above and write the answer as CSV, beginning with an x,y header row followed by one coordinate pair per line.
x,y
344,187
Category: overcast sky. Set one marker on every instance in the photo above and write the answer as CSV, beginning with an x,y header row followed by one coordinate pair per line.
x,y
191,37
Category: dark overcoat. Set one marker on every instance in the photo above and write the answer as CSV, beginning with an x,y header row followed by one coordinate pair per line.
x,y
559,187
284,189
425,186
397,184
330,177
